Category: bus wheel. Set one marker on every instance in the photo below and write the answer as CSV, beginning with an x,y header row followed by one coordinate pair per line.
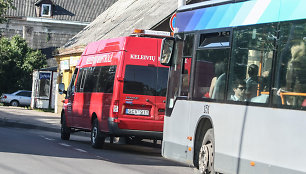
x,y
97,137
206,153
65,131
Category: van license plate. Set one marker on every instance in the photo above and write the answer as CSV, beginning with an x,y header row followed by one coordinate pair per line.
x,y
137,112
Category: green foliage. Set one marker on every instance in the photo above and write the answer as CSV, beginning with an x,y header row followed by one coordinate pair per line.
x,y
17,62
4,5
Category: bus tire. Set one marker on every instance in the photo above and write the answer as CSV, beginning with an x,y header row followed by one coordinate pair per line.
x,y
207,153
97,137
65,130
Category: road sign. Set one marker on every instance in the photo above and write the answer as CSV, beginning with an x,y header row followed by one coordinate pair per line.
x,y
172,22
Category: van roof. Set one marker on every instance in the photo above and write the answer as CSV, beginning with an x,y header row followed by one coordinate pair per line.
x,y
110,45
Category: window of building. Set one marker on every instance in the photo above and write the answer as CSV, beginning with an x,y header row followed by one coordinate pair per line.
x,y
46,10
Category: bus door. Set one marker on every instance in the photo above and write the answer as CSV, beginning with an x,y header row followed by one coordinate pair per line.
x,y
161,87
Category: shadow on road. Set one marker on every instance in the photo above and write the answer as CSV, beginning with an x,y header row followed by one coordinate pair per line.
x,y
35,142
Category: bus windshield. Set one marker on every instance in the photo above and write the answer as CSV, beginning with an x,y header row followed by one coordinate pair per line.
x,y
145,80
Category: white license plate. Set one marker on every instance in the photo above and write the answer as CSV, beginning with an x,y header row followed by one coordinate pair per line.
x,y
137,112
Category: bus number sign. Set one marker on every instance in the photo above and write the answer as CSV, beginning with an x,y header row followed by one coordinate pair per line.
x,y
206,109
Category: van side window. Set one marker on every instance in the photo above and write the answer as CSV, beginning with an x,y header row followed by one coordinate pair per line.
x,y
71,87
79,88
104,76
96,79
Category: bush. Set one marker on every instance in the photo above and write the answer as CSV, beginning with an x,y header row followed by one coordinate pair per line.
x,y
17,62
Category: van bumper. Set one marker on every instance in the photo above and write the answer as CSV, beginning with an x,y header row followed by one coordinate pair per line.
x,y
116,131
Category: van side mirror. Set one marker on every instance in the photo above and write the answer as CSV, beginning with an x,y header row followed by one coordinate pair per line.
x,y
61,89
166,51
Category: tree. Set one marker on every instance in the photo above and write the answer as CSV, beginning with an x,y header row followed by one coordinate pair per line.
x,y
4,5
17,62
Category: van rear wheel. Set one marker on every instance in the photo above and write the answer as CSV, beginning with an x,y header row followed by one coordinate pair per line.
x,y
97,137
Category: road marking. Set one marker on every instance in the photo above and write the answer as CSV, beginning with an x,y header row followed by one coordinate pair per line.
x,y
63,144
102,158
80,150
50,139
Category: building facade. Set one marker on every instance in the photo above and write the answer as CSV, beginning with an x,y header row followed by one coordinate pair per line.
x,y
48,24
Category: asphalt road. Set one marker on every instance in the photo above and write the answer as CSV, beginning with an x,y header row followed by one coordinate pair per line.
x,y
30,151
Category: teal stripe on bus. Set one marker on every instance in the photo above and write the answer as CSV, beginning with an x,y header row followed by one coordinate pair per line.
x,y
243,13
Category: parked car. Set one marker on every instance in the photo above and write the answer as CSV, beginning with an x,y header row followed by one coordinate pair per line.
x,y
18,98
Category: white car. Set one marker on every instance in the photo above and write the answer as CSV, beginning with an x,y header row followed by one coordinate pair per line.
x,y
18,98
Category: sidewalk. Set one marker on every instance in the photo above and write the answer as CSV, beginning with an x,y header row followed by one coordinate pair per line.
x,y
30,119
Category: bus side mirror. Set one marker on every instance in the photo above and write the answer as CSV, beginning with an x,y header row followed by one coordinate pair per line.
x,y
61,88
166,51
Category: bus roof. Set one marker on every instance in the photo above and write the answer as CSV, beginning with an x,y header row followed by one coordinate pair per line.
x,y
239,14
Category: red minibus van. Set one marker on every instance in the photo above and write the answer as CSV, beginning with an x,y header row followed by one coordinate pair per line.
x,y
118,89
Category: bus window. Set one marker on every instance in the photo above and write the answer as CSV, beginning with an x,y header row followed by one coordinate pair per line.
x,y
187,57
251,63
290,77
211,65
210,73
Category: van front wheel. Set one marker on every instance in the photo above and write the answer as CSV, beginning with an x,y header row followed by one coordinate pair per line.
x,y
65,130
97,137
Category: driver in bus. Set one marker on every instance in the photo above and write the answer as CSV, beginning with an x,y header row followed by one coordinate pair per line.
x,y
239,88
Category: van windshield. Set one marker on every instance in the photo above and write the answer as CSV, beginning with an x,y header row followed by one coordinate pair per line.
x,y
145,80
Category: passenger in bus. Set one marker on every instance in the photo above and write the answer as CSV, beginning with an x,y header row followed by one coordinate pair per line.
x,y
239,88
263,94
252,81
295,76
217,85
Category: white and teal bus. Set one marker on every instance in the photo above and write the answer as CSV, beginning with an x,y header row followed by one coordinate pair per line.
x,y
236,96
